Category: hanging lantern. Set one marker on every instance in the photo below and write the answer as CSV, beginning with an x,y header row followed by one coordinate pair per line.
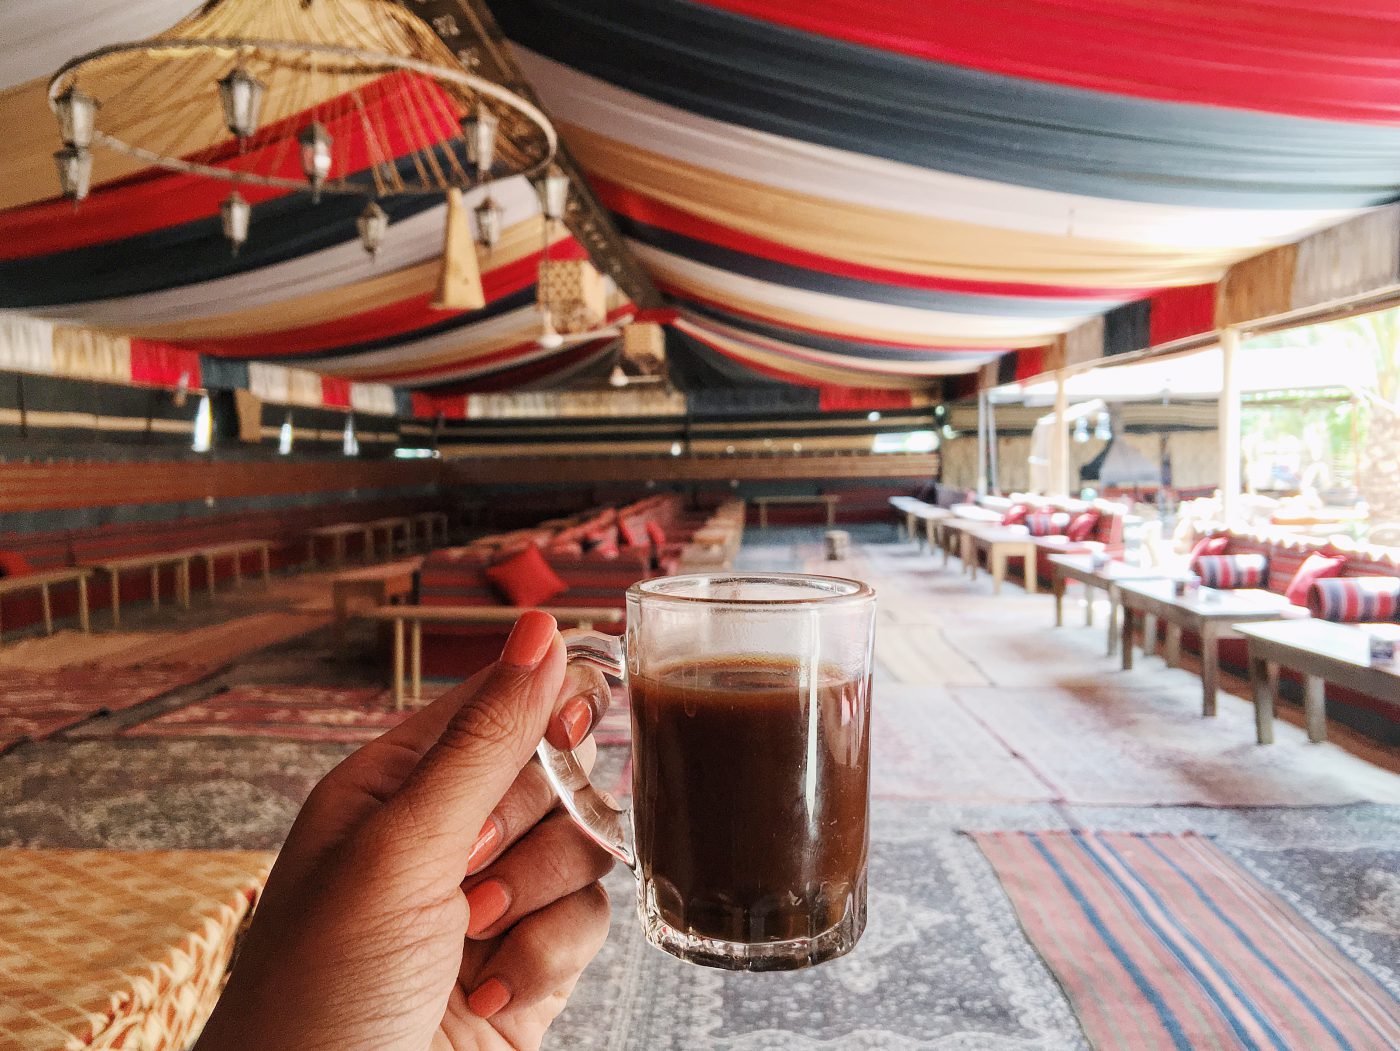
x,y
1081,429
554,194
74,172
1103,430
488,223
241,95
77,116
372,224
480,132
236,214
315,155
550,339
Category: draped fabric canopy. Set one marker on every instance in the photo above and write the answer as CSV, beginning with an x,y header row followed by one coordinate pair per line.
x,y
860,193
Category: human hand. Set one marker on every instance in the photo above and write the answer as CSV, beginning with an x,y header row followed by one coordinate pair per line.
x,y
430,897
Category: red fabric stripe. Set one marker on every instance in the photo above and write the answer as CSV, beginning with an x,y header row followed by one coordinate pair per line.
x,y
335,392
645,209
1176,313
162,365
393,319
856,399
427,405
1339,63
157,199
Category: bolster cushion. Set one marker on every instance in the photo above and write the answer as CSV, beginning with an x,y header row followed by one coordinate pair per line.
x,y
1233,571
1355,600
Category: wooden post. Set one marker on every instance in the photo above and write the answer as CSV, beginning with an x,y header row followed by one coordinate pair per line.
x,y
1059,444
982,397
1229,425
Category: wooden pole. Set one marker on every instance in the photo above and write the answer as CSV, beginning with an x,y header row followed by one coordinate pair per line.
x,y
1229,425
981,443
1059,443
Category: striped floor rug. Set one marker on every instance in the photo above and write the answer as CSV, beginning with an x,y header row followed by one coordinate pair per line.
x,y
1164,941
290,712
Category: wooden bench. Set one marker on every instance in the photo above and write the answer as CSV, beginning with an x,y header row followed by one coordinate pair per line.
x,y
374,586
432,525
234,550
154,563
416,616
47,578
829,500
390,527
336,534
1001,545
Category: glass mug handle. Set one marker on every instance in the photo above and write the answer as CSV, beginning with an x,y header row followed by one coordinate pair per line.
x,y
602,819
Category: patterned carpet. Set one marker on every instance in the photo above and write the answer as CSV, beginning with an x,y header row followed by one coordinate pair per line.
x,y
987,720
352,715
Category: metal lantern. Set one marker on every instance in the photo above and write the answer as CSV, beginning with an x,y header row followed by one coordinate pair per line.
x,y
372,224
1103,429
1081,429
488,223
315,155
77,116
236,213
241,95
74,172
554,194
480,132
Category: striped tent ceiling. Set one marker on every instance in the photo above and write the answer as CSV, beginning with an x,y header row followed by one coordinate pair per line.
x,y
866,193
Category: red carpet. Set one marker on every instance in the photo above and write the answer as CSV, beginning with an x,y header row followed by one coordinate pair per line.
x,y
35,704
299,713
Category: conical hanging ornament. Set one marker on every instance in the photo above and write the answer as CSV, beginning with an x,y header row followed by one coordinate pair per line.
x,y
459,283
315,143
236,213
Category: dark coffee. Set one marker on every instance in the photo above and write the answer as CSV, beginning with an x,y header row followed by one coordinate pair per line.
x,y
751,787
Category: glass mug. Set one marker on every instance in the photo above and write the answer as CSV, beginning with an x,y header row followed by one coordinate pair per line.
x,y
750,700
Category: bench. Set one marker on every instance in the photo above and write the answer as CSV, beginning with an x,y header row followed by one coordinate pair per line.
x,y
47,578
374,586
828,500
234,551
179,561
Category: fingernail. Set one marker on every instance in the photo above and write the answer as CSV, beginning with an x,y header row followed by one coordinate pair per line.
x,y
488,998
529,640
487,840
574,717
486,903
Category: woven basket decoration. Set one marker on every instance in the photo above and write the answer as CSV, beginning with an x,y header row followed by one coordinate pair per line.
x,y
573,292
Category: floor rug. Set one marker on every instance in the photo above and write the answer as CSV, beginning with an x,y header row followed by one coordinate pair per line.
x,y
35,704
299,713
1166,941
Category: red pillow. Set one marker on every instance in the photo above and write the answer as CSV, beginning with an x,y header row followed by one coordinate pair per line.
x,y
1208,545
13,564
1315,567
657,534
1015,514
526,579
1083,526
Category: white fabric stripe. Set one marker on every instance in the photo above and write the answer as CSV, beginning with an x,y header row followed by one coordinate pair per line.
x,y
746,344
514,326
875,182
407,243
921,326
41,35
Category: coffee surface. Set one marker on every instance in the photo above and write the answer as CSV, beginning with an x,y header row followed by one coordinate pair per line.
x,y
751,790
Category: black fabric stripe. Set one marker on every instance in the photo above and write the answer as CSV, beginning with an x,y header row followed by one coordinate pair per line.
x,y
1127,328
817,89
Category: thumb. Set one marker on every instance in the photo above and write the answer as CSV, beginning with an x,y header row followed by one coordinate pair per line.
x,y
433,819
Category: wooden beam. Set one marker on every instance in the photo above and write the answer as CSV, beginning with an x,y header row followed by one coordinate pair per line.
x,y
1229,427
586,470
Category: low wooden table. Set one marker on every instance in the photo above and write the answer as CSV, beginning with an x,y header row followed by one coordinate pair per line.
x,y
47,578
829,499
116,567
1211,614
336,534
932,518
373,586
1106,579
905,506
234,550
415,616
1001,545
956,532
390,527
1323,652
431,524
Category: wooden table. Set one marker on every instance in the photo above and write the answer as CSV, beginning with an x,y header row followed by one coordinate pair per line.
x,y
47,578
416,616
374,586
1209,613
336,534
178,560
932,517
234,550
829,499
1001,545
389,527
1106,578
905,506
430,524
1323,652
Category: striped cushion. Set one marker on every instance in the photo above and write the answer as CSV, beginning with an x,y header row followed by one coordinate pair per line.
x,y
1355,600
1047,523
1233,571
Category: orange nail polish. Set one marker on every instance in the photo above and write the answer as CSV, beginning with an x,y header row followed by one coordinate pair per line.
x,y
488,998
529,640
487,840
575,718
486,903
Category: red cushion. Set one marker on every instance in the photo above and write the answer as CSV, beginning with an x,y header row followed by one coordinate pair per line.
x,y
1208,545
1083,525
526,579
657,534
13,564
606,548
1315,567
1015,514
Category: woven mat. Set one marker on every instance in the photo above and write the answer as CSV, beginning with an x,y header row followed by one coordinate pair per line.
x,y
117,949
1167,941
